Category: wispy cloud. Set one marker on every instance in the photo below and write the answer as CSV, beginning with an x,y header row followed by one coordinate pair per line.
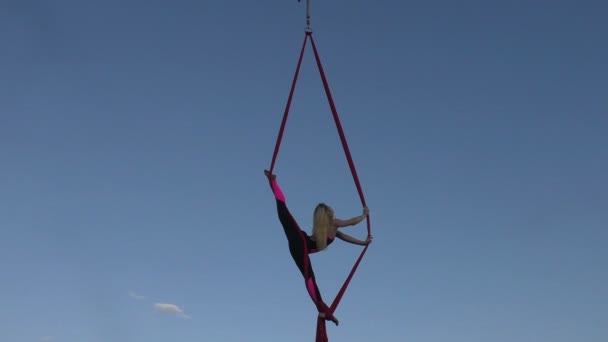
x,y
164,307
171,308
136,296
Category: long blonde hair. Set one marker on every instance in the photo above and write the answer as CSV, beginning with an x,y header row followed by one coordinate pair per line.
x,y
322,220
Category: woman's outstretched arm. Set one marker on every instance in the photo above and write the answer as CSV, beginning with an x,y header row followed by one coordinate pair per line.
x,y
352,221
354,241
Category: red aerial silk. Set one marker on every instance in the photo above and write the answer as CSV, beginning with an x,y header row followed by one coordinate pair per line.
x,y
321,328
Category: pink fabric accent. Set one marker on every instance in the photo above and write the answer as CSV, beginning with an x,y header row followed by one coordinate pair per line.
x,y
311,289
277,190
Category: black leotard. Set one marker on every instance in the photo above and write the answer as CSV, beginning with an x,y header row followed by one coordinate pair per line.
x,y
300,245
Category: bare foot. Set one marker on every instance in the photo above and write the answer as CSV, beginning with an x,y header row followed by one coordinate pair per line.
x,y
269,175
333,319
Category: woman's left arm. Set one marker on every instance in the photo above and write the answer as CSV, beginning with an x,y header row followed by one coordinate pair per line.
x,y
354,241
353,221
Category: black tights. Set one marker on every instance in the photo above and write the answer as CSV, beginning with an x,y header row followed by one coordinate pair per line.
x,y
299,246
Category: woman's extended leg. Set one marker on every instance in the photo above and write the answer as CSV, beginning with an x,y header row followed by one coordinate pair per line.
x,y
298,249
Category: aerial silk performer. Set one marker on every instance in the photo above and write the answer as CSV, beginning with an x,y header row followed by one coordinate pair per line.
x,y
324,231
325,225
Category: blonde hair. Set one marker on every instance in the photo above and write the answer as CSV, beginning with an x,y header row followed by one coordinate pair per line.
x,y
322,220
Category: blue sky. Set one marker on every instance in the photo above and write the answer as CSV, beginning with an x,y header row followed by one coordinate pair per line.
x,y
133,136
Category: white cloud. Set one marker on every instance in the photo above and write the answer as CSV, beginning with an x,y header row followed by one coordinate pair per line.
x,y
136,296
172,308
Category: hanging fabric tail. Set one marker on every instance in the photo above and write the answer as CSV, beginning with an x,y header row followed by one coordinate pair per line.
x,y
321,333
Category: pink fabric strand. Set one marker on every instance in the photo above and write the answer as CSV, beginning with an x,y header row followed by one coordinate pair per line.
x,y
278,193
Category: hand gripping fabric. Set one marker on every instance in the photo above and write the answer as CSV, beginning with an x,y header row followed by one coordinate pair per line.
x,y
321,327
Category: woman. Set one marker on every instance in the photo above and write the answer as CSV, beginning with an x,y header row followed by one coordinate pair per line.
x,y
325,230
